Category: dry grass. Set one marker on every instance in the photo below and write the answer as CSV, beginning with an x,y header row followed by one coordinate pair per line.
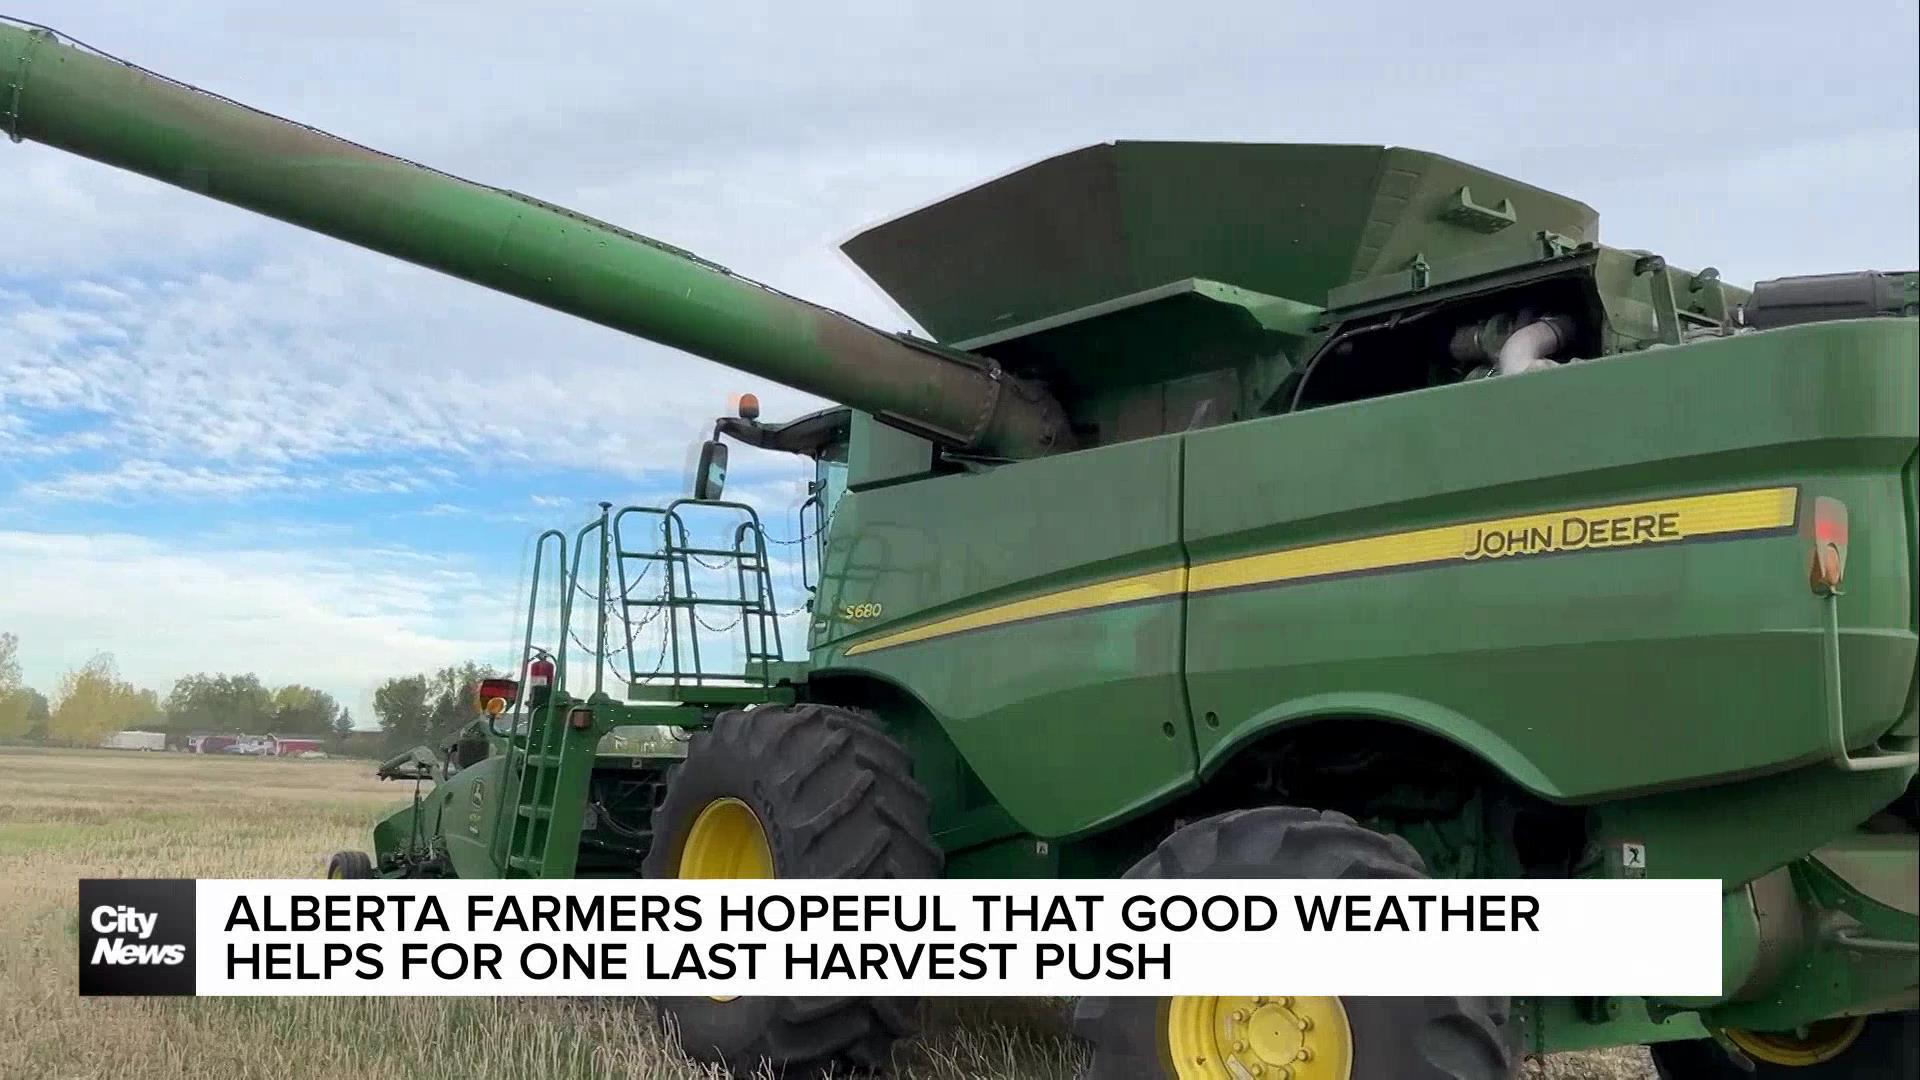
x,y
73,814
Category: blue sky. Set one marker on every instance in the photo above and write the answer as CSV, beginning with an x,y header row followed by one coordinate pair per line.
x,y
229,445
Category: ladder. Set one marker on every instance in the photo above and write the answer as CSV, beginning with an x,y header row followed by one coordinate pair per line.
x,y
548,762
548,766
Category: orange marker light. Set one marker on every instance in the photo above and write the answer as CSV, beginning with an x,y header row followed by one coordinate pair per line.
x,y
1828,565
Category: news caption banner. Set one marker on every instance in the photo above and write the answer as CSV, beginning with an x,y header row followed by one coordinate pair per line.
x,y
933,938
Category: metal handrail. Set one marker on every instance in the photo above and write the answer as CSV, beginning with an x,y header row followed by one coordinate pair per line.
x,y
1836,717
533,605
817,536
684,661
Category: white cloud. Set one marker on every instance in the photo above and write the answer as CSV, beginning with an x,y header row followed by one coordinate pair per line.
x,y
137,478
141,480
341,619
1842,200
86,216
327,355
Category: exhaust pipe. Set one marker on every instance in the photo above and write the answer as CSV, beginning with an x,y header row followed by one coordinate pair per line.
x,y
1528,348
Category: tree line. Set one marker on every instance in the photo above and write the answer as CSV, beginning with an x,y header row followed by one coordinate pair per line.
x,y
416,709
92,702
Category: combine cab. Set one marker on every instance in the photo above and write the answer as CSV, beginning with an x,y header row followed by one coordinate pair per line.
x,y
1286,511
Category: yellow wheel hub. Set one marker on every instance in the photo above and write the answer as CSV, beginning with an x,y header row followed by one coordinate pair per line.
x,y
1268,1038
726,841
1820,1041
334,874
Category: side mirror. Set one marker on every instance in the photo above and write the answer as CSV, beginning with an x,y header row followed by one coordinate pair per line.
x,y
710,476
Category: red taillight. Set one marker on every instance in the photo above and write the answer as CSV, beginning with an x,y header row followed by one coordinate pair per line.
x,y
580,719
494,695
499,688
1828,565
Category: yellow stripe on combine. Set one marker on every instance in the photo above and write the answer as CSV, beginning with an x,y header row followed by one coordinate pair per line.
x,y
1621,525
1148,586
1657,521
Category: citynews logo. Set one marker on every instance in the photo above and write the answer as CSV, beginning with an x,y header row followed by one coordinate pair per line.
x,y
118,950
136,936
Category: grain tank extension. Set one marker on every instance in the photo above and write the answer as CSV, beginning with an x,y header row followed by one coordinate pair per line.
x,y
1250,510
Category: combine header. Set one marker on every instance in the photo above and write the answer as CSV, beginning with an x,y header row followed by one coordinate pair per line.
x,y
1252,510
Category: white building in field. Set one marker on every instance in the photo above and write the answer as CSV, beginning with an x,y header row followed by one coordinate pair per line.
x,y
136,740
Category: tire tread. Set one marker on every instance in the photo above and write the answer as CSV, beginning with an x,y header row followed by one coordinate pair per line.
x,y
847,808
1460,1038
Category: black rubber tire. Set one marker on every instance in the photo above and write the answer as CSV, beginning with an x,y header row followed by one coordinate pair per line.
x,y
350,865
1457,1038
1888,1049
837,799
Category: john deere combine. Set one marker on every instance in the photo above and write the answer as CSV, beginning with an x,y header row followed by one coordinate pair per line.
x,y
1253,510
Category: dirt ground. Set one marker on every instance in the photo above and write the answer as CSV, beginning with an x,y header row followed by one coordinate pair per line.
x,y
65,815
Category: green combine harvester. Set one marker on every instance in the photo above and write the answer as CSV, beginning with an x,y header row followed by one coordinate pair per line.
x,y
1289,511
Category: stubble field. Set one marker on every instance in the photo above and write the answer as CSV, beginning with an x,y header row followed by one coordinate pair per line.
x,y
66,815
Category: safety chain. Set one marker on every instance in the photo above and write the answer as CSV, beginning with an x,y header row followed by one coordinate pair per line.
x,y
606,660
824,523
659,662
632,585
777,542
612,608
585,648
658,604
695,613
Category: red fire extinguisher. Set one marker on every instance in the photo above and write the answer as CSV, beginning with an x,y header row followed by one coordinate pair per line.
x,y
539,682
